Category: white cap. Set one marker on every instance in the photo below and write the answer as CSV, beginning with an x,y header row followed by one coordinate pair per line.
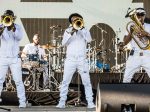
x,y
140,10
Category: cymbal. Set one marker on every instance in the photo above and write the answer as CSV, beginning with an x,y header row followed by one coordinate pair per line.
x,y
47,46
98,49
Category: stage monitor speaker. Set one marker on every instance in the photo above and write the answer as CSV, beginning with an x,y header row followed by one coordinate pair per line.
x,y
123,98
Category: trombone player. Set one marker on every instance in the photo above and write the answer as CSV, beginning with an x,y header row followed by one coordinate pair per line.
x,y
10,36
138,36
75,38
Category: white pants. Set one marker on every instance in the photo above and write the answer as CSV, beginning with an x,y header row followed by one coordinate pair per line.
x,y
134,63
15,67
69,68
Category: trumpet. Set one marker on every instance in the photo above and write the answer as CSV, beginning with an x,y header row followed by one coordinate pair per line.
x,y
136,26
7,21
78,24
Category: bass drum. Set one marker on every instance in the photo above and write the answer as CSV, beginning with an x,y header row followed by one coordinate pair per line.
x,y
31,77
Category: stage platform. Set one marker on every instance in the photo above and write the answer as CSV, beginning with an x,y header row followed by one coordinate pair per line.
x,y
47,109
45,101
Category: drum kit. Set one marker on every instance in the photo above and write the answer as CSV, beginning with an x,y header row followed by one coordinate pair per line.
x,y
37,67
34,69
95,64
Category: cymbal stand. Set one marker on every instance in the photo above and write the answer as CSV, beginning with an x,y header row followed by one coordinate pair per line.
x,y
94,59
95,56
51,73
116,51
53,42
103,45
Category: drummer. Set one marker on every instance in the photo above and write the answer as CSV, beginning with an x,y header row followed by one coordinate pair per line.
x,y
34,49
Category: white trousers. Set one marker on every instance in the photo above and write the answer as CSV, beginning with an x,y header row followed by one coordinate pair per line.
x,y
133,65
15,67
70,67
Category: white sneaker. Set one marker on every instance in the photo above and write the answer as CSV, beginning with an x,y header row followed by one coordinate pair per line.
x,y
23,105
91,105
61,104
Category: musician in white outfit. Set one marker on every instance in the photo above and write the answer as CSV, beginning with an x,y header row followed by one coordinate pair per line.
x,y
138,57
76,41
10,37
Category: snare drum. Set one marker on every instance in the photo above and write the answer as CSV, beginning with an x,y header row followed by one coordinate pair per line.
x,y
33,57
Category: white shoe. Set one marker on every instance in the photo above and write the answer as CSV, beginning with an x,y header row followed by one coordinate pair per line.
x,y
61,104
23,105
91,105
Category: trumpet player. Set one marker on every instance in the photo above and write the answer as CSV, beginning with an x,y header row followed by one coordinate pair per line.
x,y
10,36
75,38
138,35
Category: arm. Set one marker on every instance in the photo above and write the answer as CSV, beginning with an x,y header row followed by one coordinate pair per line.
x,y
18,33
127,39
24,52
66,38
86,35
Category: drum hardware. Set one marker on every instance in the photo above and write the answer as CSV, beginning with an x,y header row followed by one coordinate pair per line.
x,y
35,82
116,50
51,72
92,57
9,85
54,27
102,44
27,81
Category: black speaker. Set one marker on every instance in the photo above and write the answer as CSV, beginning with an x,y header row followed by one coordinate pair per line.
x,y
123,98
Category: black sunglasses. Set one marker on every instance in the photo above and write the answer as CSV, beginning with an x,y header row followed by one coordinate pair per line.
x,y
140,14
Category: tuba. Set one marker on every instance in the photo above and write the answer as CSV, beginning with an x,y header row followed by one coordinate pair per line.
x,y
136,26
78,23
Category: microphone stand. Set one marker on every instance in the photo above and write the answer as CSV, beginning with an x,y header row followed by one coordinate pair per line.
x,y
102,43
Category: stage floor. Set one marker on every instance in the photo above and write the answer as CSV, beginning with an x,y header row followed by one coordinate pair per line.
x,y
47,109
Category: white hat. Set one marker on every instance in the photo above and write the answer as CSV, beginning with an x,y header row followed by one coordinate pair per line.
x,y
140,11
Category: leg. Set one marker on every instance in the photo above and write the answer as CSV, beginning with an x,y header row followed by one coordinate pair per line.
x,y
146,64
17,76
3,72
133,64
84,72
69,69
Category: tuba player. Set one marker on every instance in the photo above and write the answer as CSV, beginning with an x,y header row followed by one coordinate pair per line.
x,y
138,57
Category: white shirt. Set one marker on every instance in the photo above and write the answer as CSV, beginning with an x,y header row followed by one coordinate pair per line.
x,y
9,46
32,49
76,43
133,44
